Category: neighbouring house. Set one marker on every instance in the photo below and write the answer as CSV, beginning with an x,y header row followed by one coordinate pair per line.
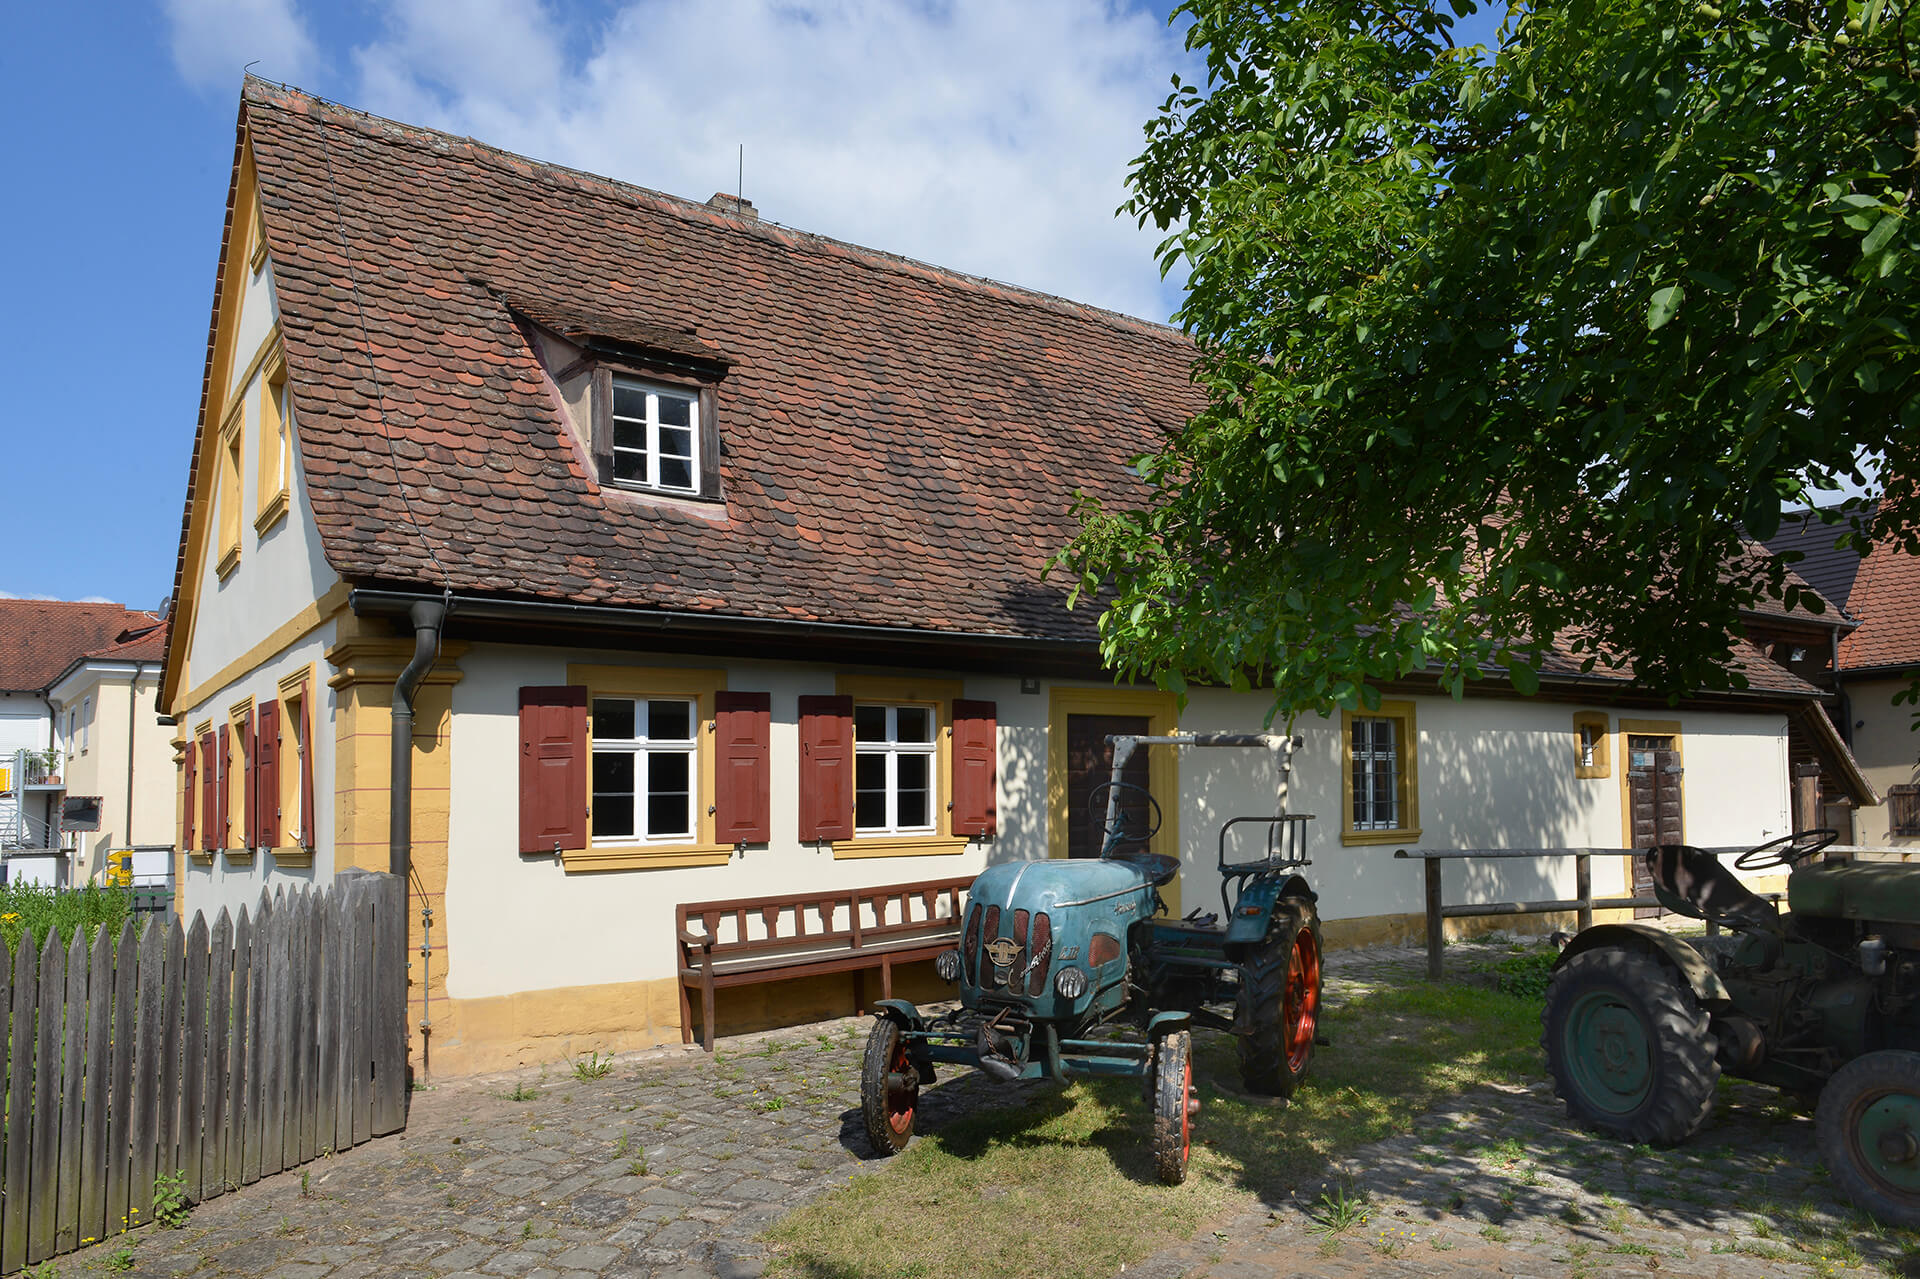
x,y
717,550
119,765
1875,656
52,729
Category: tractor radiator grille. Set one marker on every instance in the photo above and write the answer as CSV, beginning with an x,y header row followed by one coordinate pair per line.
x,y
1040,955
1032,933
970,946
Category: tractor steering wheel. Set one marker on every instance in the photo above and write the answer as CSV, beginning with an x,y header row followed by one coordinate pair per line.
x,y
1097,802
1788,850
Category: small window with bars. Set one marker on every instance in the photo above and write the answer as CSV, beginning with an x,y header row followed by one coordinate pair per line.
x,y
1903,810
1376,774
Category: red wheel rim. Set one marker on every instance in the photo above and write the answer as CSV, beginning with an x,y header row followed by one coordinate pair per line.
x,y
1300,1013
1186,1110
900,1101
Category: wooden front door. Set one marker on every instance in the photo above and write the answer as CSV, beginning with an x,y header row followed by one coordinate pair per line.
x,y
1089,763
1653,805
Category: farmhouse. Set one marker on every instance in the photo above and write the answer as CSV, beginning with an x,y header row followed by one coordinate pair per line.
x,y
707,556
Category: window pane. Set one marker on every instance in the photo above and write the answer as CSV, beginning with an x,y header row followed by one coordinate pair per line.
x,y
870,771
916,724
612,815
675,443
666,773
913,809
675,410
675,473
869,791
913,771
870,810
913,802
612,772
669,721
667,815
630,467
612,719
629,401
869,723
629,435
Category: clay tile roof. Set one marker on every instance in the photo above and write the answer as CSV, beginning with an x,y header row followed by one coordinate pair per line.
x,y
1832,569
1886,599
40,639
885,424
148,645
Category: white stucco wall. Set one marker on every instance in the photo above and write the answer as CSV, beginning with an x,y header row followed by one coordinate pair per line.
x,y
101,768
1491,774
1888,751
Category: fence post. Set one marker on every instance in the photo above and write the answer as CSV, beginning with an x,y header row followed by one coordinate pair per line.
x,y
1583,888
1436,922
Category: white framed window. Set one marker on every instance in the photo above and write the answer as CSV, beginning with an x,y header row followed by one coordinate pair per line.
x,y
1376,775
893,769
86,723
656,437
644,751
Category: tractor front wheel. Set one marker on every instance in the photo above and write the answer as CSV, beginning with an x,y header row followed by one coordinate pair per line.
x,y
1868,1127
889,1089
1629,1047
1276,1015
1173,1106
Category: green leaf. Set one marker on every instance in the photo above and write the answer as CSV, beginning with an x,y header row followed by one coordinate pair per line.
x,y
1883,231
1663,305
1526,681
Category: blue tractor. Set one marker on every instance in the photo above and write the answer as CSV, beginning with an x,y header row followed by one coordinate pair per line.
x,y
1068,968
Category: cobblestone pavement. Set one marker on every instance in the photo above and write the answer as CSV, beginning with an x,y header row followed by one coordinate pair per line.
x,y
674,1162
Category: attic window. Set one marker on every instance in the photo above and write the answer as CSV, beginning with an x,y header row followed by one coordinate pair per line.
x,y
656,437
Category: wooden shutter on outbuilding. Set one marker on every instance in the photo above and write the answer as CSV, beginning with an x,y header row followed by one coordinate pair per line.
x,y
553,768
826,768
189,798
223,798
306,767
974,756
267,776
742,808
209,793
250,796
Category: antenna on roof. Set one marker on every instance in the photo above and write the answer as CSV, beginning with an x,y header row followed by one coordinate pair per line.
x,y
740,178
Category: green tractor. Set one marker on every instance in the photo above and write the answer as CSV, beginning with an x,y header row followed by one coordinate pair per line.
x,y
1066,968
1822,1002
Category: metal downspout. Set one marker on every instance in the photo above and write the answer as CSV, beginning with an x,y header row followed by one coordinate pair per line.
x,y
427,617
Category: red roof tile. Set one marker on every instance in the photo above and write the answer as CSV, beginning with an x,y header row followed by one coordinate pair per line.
x,y
39,639
1886,599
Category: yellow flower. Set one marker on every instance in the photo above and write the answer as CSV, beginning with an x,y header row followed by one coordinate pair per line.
x,y
10,916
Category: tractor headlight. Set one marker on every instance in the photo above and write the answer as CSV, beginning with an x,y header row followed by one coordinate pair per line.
x,y
1071,982
947,964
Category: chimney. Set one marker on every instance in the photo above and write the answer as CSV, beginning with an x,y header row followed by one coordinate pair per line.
x,y
735,205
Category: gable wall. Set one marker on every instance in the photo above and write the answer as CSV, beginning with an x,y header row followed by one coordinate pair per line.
x,y
1887,749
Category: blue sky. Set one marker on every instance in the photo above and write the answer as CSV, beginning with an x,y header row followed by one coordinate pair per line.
x,y
987,135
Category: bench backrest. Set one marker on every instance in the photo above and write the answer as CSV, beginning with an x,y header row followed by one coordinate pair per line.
x,y
851,918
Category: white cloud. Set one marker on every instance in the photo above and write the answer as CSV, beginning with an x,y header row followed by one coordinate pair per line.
x,y
214,39
991,136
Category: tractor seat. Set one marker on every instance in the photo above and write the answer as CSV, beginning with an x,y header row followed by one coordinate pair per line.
x,y
1693,882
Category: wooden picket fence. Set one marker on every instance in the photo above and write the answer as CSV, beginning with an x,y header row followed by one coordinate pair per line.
x,y
221,1055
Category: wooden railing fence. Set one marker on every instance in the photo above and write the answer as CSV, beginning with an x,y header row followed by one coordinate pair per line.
x,y
221,1055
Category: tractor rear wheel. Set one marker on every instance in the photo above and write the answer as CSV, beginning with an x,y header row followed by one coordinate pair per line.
x,y
1277,1012
1629,1047
1172,1108
889,1089
1868,1127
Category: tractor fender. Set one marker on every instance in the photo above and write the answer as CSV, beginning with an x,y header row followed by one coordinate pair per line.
x,y
1253,910
1676,954
902,1011
1166,1023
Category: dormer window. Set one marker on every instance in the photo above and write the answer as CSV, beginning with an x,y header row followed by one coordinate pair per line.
x,y
656,437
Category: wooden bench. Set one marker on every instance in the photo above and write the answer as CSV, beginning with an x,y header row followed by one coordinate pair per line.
x,y
762,939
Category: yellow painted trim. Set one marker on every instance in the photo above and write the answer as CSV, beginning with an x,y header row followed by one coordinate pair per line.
x,y
293,629
655,681
1602,765
910,690
269,349
1651,728
271,513
899,846
293,858
1162,714
289,690
1408,740
270,490
257,235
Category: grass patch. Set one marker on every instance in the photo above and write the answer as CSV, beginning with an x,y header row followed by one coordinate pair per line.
x,y
1080,1153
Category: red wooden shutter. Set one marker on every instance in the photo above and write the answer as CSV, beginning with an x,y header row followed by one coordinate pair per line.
x,y
190,798
742,780
553,768
268,768
222,798
250,800
826,768
974,754
306,768
209,793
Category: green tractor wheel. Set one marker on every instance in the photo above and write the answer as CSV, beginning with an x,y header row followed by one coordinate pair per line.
x,y
889,1089
1868,1126
1276,1015
1629,1047
1173,1105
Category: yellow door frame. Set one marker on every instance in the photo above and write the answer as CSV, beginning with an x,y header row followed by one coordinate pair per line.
x,y
1163,765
